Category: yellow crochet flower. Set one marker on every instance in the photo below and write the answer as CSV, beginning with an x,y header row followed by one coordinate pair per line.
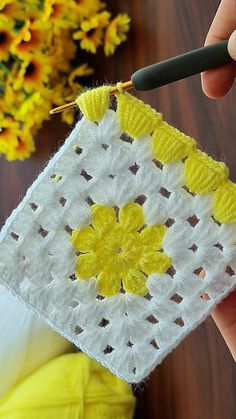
x,y
116,33
119,248
92,31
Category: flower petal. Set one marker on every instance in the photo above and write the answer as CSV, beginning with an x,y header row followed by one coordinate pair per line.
x,y
87,266
130,259
84,239
109,283
135,282
103,217
154,262
131,217
152,236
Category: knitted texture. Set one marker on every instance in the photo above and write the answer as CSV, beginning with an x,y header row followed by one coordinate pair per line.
x,y
108,243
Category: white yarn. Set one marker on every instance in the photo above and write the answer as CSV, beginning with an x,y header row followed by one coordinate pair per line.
x,y
26,342
39,270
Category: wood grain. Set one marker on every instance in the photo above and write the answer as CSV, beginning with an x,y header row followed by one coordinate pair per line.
x,y
197,380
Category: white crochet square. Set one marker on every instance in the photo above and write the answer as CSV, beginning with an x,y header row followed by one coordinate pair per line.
x,y
130,334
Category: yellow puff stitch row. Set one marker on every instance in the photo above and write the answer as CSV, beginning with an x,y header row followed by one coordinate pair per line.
x,y
202,173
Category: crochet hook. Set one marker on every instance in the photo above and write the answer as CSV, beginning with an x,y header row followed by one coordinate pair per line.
x,y
170,70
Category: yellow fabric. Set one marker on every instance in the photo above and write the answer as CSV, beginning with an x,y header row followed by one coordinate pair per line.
x,y
169,144
71,386
94,103
119,248
136,118
203,174
225,202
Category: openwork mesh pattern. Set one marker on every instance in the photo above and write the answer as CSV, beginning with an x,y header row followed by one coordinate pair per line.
x,y
128,332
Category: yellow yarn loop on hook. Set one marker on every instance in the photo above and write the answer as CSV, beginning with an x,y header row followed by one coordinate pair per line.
x,y
94,103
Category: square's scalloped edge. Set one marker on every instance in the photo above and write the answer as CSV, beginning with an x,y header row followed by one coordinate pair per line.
x,y
148,370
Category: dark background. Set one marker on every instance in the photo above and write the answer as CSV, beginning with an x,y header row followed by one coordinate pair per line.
x,y
198,380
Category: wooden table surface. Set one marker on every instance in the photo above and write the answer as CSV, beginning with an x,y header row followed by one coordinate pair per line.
x,y
197,380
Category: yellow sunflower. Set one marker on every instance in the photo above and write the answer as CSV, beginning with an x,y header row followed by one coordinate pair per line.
x,y
6,39
23,146
119,248
61,49
30,104
92,31
12,10
116,33
34,73
27,40
4,3
86,8
59,14
8,129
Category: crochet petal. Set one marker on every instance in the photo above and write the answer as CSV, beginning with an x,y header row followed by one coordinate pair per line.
x,y
103,217
225,202
108,283
135,282
131,217
84,240
87,266
152,236
203,174
154,262
130,240
136,118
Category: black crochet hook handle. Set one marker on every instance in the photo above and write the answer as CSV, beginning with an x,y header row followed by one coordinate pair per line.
x,y
182,66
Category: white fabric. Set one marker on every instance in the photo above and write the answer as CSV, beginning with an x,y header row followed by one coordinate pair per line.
x,y
38,269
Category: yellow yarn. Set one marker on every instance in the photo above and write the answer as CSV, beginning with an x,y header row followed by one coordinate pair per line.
x,y
71,386
136,118
169,144
94,103
202,173
225,203
119,249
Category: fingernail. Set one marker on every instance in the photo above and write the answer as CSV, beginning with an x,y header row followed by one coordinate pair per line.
x,y
232,45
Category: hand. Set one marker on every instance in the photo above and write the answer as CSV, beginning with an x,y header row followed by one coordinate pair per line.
x,y
224,316
217,82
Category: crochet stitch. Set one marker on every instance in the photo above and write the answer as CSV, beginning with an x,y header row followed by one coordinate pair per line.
x,y
108,243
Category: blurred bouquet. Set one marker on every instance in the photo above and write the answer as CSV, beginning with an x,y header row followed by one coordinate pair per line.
x,y
39,39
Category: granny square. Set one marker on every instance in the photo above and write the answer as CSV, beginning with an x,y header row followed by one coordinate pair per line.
x,y
126,240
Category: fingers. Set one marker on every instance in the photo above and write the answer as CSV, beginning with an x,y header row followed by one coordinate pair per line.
x,y
232,45
224,316
217,82
224,22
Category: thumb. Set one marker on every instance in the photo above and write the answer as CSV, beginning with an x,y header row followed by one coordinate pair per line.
x,y
232,45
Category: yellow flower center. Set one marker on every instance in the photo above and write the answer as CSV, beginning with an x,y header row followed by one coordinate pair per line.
x,y
5,39
119,249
